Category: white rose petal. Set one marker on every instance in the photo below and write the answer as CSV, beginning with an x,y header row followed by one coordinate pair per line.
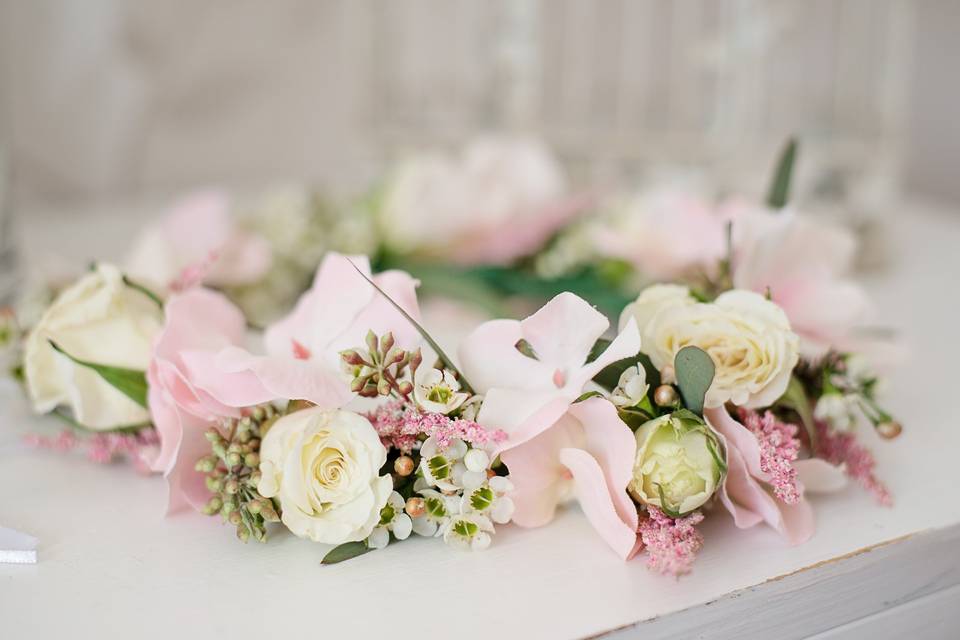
x,y
652,301
747,336
98,319
324,466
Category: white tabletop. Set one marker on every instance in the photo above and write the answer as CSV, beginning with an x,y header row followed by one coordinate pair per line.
x,y
111,565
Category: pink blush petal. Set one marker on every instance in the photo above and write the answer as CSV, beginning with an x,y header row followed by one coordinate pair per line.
x,y
738,436
163,414
819,476
614,447
563,331
594,496
489,359
187,487
738,492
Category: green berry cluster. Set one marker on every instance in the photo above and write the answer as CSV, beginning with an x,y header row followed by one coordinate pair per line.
x,y
233,473
381,368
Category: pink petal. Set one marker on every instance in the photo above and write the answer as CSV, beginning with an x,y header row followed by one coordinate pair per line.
x,y
563,331
594,496
521,414
187,487
489,358
738,436
819,476
613,445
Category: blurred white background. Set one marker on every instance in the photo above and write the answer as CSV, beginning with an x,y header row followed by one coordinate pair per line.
x,y
106,99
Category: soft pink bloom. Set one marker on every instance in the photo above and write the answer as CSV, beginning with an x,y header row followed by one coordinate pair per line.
x,y
398,425
805,264
858,463
779,448
746,489
198,324
671,543
198,241
104,447
303,349
501,199
588,452
666,235
515,385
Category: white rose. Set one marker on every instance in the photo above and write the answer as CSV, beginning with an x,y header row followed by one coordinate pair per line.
x,y
652,300
98,319
747,336
324,465
675,464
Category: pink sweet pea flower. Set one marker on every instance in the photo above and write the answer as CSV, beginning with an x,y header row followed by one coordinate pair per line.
x,y
588,452
561,335
804,264
198,241
746,492
303,361
198,324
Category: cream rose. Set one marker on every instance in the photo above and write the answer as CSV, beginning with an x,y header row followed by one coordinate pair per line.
x,y
324,466
675,464
653,300
98,319
747,336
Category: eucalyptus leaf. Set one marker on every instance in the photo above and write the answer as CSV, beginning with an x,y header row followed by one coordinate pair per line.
x,y
694,370
779,192
129,382
345,551
448,363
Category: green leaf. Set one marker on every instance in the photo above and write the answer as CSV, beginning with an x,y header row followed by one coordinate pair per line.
x,y
448,363
609,376
586,395
129,382
694,370
142,289
345,551
795,398
780,187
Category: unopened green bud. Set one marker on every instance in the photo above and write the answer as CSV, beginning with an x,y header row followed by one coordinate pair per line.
x,y
242,533
387,342
252,459
219,449
214,484
235,517
255,506
206,464
268,512
383,386
213,506
254,478
212,435
234,447
405,388
234,459
232,486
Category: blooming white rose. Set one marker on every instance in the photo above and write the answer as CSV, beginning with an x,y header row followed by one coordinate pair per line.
x,y
652,300
98,319
438,391
675,464
324,465
747,336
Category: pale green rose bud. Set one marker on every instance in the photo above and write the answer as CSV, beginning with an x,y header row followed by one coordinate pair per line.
x,y
678,464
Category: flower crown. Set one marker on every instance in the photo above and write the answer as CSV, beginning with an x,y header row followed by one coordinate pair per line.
x,y
720,390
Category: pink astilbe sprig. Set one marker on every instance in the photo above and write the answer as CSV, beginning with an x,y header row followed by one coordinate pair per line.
x,y
779,447
672,543
843,449
400,425
103,448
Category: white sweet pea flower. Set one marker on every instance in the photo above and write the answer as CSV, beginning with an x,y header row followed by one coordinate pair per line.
x,y
632,387
438,391
491,500
840,410
454,468
437,511
468,531
392,518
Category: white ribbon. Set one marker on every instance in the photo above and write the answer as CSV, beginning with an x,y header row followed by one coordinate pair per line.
x,y
16,547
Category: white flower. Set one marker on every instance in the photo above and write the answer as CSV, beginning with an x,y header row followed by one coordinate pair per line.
x,y
632,387
652,301
747,336
453,468
468,531
392,518
437,511
324,465
98,319
438,391
490,499
840,410
674,463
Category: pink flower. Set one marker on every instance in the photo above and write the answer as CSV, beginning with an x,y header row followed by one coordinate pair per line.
x,y
856,460
183,378
197,241
516,385
671,543
745,492
500,200
779,448
804,263
587,452
303,361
